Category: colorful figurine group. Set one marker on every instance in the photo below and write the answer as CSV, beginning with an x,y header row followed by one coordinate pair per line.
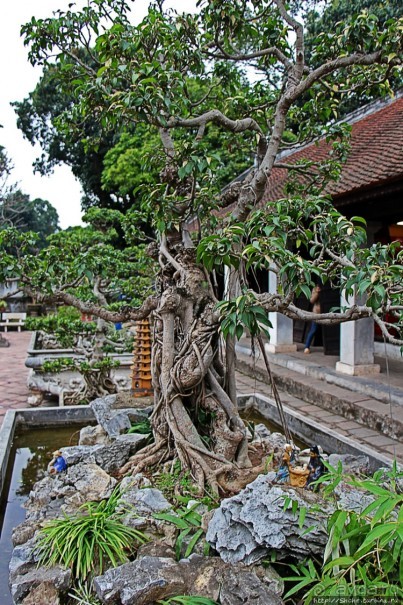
x,y
296,472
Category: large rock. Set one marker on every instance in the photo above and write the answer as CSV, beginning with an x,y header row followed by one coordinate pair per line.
x,y
93,435
114,419
144,500
255,522
67,491
24,558
44,593
352,465
151,578
24,584
91,481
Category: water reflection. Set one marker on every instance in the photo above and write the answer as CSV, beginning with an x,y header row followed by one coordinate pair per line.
x,y
30,456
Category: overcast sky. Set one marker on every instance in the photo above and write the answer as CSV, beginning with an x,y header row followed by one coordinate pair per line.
x,y
18,79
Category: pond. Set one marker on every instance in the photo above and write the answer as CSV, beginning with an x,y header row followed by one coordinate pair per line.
x,y
31,452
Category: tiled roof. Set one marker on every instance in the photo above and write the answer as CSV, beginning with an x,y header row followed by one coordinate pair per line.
x,y
376,156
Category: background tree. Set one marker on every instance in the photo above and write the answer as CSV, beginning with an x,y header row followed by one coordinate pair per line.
x,y
16,208
141,74
38,118
323,17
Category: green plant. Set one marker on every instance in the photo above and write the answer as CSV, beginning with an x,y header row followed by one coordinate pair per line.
x,y
188,521
142,428
92,538
68,313
364,552
187,600
65,328
179,488
83,594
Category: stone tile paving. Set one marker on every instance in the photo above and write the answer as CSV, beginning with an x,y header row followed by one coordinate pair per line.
x,y
13,373
334,422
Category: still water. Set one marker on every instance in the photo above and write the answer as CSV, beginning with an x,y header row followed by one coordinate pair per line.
x,y
30,455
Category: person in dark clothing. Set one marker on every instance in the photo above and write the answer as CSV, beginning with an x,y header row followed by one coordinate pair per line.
x,y
315,301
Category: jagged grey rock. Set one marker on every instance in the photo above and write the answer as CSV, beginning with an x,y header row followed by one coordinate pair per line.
x,y
44,593
145,501
93,435
151,578
91,481
356,465
23,532
253,523
23,584
351,498
269,576
110,457
135,441
23,559
113,418
67,491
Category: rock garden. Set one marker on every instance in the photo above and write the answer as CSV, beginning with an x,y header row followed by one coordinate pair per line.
x,y
94,536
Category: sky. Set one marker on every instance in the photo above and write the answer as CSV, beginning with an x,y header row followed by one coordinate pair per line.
x,y
19,78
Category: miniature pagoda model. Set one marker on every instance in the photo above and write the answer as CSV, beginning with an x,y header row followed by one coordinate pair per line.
x,y
141,368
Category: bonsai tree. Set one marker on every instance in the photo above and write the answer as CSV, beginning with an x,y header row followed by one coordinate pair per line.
x,y
102,271
182,74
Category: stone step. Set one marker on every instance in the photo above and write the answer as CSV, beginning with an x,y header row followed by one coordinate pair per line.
x,y
384,420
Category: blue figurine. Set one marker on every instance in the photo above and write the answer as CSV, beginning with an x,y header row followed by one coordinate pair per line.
x,y
316,468
58,463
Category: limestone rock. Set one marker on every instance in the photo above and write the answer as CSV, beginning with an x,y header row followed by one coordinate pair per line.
x,y
92,481
93,435
23,532
351,498
23,559
352,465
43,593
145,501
67,491
151,578
113,422
24,584
253,523
269,576
156,549
113,418
245,589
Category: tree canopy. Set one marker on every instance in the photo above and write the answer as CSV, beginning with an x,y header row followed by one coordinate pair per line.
x,y
18,210
250,80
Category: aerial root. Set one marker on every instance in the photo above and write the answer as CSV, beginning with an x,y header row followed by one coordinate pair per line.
x,y
144,458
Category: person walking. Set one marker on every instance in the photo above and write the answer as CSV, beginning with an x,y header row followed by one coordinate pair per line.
x,y
315,301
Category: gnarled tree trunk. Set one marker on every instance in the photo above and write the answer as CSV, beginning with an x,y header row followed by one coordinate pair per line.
x,y
194,419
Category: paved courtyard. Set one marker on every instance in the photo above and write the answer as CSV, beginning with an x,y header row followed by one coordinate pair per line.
x,y
13,373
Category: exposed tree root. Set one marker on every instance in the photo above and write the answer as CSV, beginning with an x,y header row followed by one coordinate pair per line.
x,y
194,419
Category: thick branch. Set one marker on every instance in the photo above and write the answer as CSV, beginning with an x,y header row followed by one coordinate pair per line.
x,y
125,314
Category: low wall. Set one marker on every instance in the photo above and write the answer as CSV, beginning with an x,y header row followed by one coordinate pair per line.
x,y
37,418
311,432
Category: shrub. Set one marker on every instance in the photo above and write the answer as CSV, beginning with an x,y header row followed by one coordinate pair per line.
x,y
93,538
364,553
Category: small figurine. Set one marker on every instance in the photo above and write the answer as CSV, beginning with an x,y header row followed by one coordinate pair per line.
x,y
283,473
57,464
316,468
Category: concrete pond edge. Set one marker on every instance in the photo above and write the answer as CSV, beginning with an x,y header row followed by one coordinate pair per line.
x,y
311,432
